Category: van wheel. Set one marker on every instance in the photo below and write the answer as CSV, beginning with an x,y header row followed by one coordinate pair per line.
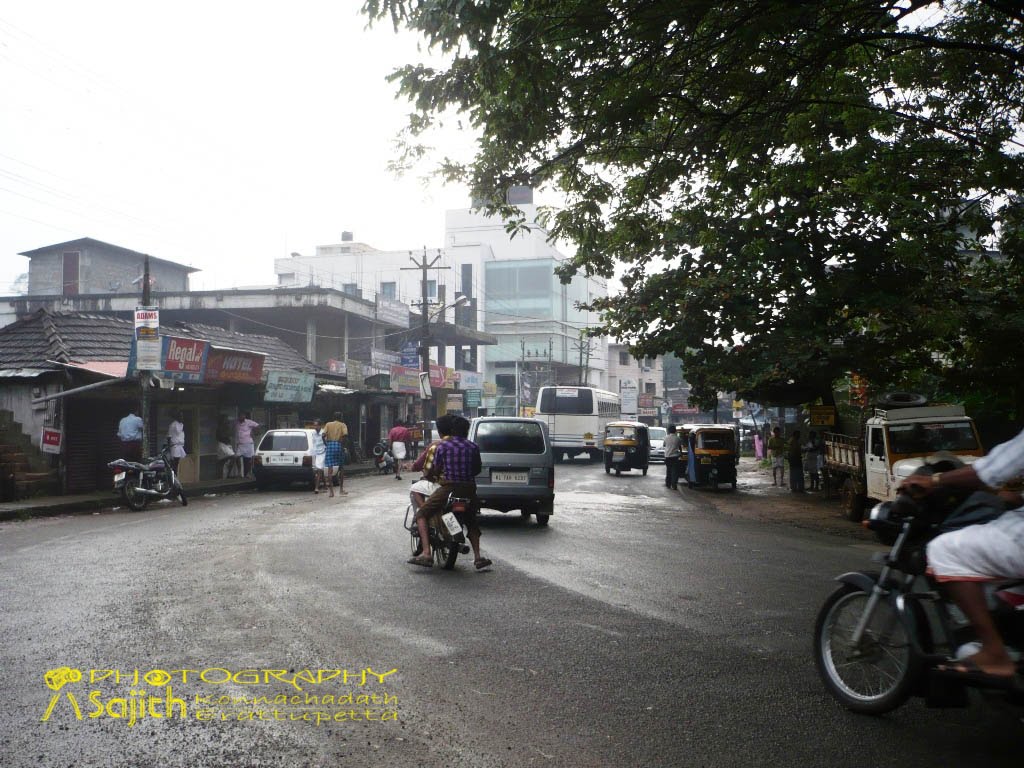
x,y
542,521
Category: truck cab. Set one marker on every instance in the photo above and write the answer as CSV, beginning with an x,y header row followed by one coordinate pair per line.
x,y
893,444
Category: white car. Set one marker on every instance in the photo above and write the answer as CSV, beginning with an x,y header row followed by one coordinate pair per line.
x,y
657,435
284,456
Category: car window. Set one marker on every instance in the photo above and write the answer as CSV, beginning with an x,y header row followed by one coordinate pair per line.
x,y
658,433
510,437
284,441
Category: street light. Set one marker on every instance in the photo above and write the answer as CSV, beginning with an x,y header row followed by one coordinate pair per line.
x,y
426,393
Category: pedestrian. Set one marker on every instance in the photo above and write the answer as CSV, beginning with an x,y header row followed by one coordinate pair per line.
x,y
176,437
319,456
334,432
244,445
129,432
777,453
794,453
399,438
672,458
814,453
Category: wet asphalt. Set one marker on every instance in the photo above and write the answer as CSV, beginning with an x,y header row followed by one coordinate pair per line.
x,y
642,627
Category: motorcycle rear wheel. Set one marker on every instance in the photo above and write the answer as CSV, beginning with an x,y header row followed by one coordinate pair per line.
x,y
879,675
445,552
135,501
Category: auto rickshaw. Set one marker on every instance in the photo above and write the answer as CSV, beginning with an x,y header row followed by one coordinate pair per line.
x,y
627,445
712,455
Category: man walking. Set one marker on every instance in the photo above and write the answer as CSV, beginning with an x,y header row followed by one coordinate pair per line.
x,y
777,453
334,432
672,458
399,438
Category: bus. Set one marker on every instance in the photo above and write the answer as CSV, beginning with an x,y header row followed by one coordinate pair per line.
x,y
576,417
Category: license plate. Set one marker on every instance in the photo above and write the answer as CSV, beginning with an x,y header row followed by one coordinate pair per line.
x,y
281,460
120,476
513,478
451,523
618,455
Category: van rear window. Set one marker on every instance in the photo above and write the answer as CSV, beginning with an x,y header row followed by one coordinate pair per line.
x,y
510,437
284,441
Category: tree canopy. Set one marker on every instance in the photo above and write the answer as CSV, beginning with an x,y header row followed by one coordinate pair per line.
x,y
790,191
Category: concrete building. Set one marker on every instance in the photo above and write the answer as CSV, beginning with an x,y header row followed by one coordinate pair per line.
x,y
644,376
513,294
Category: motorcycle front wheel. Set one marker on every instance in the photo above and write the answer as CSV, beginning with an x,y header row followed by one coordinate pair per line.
x,y
878,674
135,501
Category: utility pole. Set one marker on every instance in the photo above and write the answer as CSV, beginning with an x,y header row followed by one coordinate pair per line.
x,y
428,403
144,375
584,348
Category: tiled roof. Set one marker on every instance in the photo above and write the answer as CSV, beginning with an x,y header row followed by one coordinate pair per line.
x,y
78,337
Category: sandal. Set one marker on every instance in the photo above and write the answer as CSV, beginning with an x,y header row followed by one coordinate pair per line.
x,y
426,562
481,563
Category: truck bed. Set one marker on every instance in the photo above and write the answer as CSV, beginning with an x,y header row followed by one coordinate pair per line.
x,y
843,453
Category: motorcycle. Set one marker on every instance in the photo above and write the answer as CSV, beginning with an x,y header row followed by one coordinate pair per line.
x,y
881,636
447,535
153,478
383,461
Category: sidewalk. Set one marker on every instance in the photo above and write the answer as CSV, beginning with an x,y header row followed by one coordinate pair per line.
x,y
47,506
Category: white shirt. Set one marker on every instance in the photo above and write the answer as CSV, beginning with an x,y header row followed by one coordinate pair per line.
x,y
1003,463
176,436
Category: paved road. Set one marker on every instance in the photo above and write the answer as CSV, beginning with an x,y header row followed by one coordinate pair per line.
x,y
643,627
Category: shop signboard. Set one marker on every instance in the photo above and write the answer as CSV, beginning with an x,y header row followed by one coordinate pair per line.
x,y
472,397
410,354
630,396
146,338
51,440
337,366
822,416
646,400
184,360
289,387
235,366
454,402
392,312
442,377
405,379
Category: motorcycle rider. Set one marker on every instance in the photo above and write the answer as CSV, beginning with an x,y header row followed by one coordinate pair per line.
x,y
965,559
456,465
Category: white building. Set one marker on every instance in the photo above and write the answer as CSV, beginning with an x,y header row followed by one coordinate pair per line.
x,y
512,289
645,375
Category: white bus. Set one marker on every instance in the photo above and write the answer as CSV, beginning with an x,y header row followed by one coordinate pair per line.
x,y
576,417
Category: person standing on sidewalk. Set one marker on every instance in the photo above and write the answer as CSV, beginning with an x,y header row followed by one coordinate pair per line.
x,y
334,432
814,452
245,446
794,451
777,453
672,458
129,432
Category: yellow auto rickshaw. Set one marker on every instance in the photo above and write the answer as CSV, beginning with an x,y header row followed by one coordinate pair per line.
x,y
627,445
712,455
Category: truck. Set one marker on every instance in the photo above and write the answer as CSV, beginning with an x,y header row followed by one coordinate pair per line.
x,y
893,442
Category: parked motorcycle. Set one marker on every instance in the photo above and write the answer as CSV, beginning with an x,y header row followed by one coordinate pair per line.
x,y
447,534
383,461
153,478
880,636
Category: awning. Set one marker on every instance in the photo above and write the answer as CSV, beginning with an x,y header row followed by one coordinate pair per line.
x,y
112,368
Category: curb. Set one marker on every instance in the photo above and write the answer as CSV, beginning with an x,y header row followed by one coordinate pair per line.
x,y
53,506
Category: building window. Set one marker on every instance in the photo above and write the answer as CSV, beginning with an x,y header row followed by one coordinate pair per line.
x,y
623,358
649,362
350,288
431,289
69,274
389,290
650,388
467,280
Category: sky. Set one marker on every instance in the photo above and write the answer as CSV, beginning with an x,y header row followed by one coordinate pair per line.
x,y
221,135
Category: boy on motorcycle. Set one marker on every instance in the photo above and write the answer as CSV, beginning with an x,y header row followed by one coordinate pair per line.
x,y
965,559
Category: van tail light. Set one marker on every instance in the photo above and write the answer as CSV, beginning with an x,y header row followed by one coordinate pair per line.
x,y
307,461
458,506
551,478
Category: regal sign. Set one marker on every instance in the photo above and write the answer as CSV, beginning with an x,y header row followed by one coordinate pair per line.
x,y
184,359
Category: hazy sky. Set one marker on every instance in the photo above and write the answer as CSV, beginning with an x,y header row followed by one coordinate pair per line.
x,y
218,134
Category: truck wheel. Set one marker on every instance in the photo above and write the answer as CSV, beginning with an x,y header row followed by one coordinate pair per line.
x,y
852,502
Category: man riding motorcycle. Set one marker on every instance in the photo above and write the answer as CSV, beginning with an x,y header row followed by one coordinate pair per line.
x,y
456,465
965,559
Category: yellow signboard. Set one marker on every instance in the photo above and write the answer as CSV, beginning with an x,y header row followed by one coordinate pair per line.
x,y
823,416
